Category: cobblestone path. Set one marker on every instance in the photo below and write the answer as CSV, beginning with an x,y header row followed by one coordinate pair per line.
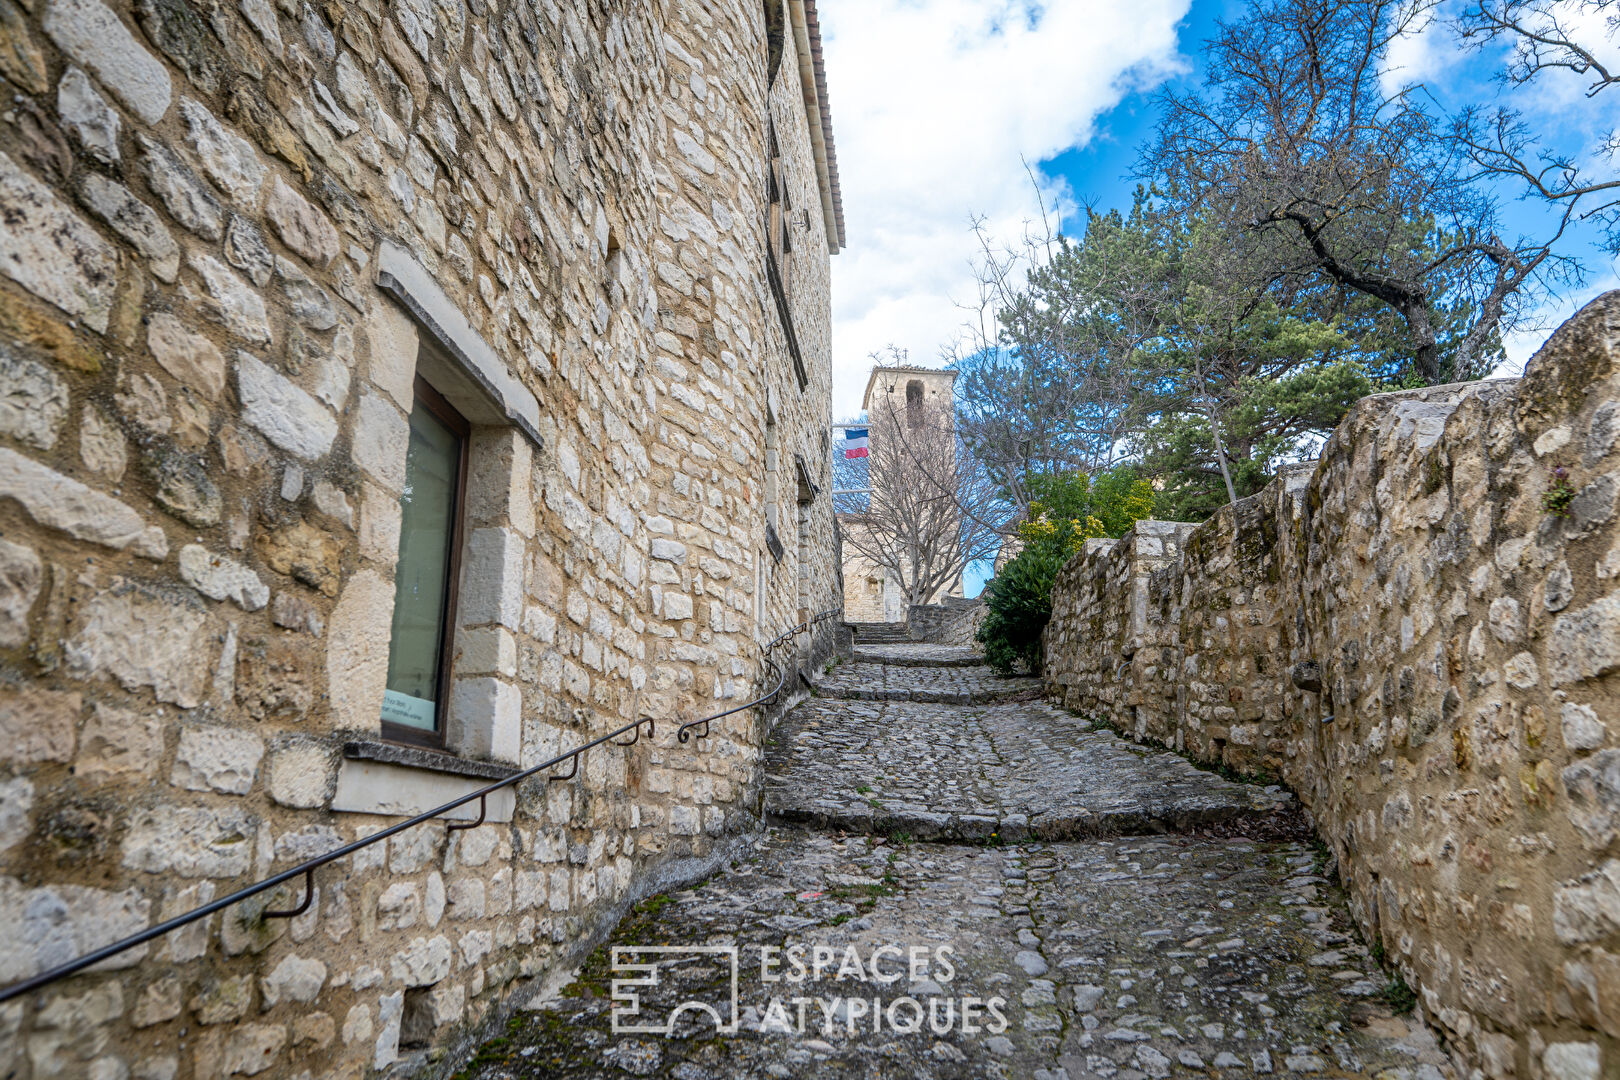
x,y
1059,948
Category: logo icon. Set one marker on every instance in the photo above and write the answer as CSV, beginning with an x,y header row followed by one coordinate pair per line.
x,y
643,963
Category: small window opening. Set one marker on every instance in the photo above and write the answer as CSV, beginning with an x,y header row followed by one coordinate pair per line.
x,y
914,403
431,512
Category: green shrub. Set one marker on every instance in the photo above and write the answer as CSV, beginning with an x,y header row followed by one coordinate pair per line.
x,y
1068,509
1020,603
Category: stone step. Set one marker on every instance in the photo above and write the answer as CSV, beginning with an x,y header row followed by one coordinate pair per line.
x,y
1011,771
894,657
918,654
955,685
918,823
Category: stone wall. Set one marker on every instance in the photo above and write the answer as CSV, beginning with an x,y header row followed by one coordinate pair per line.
x,y
952,621
235,235
1418,647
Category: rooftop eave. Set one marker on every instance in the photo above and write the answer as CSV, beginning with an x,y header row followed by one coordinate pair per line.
x,y
813,77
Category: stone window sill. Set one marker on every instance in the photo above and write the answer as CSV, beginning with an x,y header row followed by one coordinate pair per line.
x,y
415,757
391,780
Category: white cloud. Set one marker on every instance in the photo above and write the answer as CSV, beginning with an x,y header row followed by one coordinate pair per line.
x,y
936,106
1426,52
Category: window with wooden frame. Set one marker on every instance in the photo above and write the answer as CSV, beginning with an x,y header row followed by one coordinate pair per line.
x,y
430,540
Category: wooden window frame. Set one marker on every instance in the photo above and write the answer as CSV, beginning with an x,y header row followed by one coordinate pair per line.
x,y
446,414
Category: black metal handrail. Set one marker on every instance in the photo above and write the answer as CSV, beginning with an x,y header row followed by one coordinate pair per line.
x,y
684,732
308,867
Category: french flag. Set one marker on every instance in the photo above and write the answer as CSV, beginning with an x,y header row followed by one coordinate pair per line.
x,y
855,442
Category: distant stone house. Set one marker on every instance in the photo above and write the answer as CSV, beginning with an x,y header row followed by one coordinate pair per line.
x,y
391,395
873,592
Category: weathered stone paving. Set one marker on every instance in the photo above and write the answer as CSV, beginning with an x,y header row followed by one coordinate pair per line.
x,y
1157,957
1036,941
1025,769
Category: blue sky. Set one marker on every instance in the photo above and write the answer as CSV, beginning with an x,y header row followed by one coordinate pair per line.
x,y
939,133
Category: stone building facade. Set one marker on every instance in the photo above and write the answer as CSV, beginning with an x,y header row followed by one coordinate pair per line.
x,y
275,276
875,593
1420,634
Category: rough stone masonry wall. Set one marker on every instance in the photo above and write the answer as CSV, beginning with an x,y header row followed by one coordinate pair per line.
x,y
952,621
203,397
1428,657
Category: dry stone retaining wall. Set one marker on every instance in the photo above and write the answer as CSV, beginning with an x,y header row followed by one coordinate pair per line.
x,y
952,621
1407,637
233,236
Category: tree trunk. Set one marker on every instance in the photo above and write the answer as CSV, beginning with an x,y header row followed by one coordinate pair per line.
x,y
1214,428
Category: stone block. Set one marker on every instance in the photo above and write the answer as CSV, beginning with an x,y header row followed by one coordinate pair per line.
x,y
16,805
486,651
304,553
87,115
390,1013
301,226
218,759
58,502
285,414
252,1048
22,575
492,578
118,742
190,841
466,899
220,578
185,196
399,907
191,358
144,639
1583,730
381,438
300,775
233,302
486,719
53,924
160,1001
136,222
33,401
1573,1061
222,1000
102,446
379,525
228,159
357,652
52,252
500,480
295,978
37,724
423,962
1586,642
1588,909
393,346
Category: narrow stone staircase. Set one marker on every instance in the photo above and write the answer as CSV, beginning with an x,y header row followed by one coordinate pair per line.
x,y
880,633
1089,887
928,742
942,674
